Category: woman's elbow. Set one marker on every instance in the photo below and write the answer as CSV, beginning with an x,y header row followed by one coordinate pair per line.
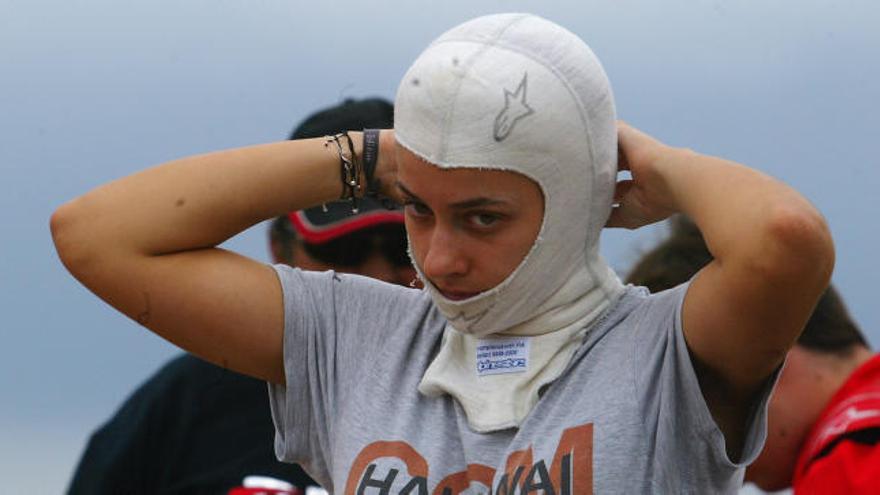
x,y
799,237
67,225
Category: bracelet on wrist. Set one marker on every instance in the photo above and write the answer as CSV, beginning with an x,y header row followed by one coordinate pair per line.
x,y
370,155
350,168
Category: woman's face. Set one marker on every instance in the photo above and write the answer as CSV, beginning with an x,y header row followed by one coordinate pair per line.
x,y
468,228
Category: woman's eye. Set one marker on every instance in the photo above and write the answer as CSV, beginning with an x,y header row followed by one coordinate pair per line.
x,y
485,219
416,208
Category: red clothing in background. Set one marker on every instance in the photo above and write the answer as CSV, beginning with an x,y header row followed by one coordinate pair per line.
x,y
842,451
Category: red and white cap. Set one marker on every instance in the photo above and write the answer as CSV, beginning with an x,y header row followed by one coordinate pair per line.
x,y
319,225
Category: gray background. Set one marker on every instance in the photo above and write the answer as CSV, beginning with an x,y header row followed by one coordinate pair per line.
x,y
93,90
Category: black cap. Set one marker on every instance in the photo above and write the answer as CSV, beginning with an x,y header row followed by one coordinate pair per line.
x,y
350,115
315,225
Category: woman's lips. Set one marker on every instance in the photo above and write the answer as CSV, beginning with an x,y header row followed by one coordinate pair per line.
x,y
455,295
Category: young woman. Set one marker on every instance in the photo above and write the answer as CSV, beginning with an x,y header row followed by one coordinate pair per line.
x,y
524,364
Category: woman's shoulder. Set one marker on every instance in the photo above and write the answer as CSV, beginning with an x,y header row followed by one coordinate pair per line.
x,y
330,282
637,313
638,302
355,300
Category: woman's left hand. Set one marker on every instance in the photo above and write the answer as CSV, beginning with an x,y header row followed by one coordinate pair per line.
x,y
643,199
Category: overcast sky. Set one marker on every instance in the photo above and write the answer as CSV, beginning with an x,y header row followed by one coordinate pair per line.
x,y
93,90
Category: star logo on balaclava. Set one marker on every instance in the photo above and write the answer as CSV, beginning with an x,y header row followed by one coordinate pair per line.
x,y
515,109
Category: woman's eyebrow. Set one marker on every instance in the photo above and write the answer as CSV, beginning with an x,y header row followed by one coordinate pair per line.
x,y
407,192
460,205
476,203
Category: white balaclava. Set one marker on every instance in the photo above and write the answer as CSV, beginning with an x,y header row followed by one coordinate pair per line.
x,y
519,93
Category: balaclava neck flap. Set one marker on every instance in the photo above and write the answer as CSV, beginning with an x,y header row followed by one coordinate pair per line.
x,y
516,92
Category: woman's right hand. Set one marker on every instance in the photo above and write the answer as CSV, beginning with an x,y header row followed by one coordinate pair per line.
x,y
385,175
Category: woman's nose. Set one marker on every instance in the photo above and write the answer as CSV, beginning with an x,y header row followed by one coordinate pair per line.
x,y
444,257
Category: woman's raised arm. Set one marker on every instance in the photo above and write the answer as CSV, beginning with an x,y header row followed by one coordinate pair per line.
x,y
773,257
147,245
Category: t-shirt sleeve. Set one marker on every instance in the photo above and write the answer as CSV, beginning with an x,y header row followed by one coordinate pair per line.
x,y
334,327
672,403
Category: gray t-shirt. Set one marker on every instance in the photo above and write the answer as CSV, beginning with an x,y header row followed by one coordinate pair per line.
x,y
627,415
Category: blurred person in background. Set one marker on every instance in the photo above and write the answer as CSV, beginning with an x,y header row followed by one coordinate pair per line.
x,y
194,427
824,415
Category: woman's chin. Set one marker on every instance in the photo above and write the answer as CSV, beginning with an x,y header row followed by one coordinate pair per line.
x,y
458,295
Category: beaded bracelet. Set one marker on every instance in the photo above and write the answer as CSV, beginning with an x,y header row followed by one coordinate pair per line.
x,y
349,168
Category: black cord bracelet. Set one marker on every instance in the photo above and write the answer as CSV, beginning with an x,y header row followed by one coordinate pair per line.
x,y
349,168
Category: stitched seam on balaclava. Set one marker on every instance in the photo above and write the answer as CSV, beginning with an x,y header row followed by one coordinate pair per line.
x,y
447,119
